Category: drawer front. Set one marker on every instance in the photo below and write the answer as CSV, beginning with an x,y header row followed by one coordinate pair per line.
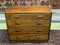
x,y
28,37
29,29
31,21
28,23
29,16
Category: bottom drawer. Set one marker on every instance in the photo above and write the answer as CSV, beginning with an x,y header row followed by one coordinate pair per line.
x,y
28,37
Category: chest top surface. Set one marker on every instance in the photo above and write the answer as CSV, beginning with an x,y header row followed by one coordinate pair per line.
x,y
28,9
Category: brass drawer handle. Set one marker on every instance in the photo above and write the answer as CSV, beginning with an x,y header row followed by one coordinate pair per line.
x,y
17,30
16,17
39,23
17,23
18,37
39,30
40,16
39,36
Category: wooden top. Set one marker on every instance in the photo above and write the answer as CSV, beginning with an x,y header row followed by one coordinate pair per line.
x,y
28,9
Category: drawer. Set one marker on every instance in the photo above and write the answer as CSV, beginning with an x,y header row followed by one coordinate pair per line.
x,y
28,23
29,37
29,29
32,23
17,16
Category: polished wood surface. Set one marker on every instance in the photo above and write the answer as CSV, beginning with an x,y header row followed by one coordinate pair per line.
x,y
29,29
29,37
28,9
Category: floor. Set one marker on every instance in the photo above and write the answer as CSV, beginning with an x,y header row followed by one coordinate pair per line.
x,y
54,39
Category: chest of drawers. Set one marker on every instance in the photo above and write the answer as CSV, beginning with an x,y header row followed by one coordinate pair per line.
x,y
29,23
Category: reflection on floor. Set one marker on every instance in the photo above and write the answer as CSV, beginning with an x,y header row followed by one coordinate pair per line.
x,y
53,40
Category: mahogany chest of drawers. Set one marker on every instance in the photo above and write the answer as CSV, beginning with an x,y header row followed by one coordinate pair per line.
x,y
28,23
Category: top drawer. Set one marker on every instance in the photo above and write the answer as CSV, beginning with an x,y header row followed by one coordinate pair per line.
x,y
29,16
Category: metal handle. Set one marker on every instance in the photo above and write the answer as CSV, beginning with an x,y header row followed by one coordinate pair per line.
x,y
40,23
16,16
18,31
39,36
18,37
39,30
40,16
17,23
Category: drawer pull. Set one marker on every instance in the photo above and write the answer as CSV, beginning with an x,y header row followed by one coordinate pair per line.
x,y
39,30
39,36
17,23
18,37
40,16
18,31
39,23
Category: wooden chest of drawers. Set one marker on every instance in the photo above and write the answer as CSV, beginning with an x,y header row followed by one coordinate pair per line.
x,y
29,23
